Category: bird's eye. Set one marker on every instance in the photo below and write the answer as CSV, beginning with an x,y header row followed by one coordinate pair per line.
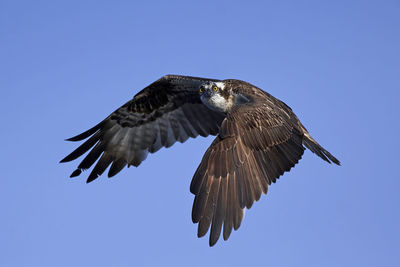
x,y
215,88
201,89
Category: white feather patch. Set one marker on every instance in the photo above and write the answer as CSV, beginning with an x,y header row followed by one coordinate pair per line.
x,y
220,85
217,102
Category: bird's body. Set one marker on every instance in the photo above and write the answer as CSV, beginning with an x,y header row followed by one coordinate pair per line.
x,y
258,139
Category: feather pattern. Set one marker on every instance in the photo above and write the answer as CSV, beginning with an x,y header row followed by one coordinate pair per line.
x,y
256,145
259,138
166,111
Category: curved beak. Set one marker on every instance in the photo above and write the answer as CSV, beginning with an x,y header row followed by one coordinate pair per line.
x,y
208,92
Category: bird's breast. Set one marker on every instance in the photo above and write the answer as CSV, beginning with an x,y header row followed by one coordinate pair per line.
x,y
217,102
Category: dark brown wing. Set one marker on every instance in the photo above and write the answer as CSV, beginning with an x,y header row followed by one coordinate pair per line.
x,y
257,143
164,112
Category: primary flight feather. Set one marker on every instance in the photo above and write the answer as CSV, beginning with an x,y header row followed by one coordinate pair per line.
x,y
258,139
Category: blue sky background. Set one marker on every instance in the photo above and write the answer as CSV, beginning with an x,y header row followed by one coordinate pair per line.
x,y
65,65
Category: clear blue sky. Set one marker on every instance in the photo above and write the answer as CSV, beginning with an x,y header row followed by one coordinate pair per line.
x,y
65,65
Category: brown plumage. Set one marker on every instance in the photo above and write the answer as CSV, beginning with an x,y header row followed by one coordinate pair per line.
x,y
258,139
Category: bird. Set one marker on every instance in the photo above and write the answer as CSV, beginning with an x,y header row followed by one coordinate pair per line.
x,y
258,139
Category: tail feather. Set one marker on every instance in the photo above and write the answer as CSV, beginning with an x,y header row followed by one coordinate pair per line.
x,y
316,148
319,150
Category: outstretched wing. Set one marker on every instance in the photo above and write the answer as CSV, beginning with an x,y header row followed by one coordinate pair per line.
x,y
164,112
257,143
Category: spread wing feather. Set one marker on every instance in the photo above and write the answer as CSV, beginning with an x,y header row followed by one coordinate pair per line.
x,y
255,146
164,112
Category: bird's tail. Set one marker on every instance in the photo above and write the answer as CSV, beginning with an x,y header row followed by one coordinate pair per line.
x,y
316,148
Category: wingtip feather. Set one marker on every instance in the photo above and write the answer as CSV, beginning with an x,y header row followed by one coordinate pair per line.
x,y
91,178
87,133
75,173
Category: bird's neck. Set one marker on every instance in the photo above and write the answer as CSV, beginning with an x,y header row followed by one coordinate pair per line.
x,y
224,103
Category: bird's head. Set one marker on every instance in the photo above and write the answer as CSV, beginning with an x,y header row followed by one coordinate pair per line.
x,y
209,89
216,96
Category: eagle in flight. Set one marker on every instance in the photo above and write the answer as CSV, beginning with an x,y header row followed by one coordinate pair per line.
x,y
258,138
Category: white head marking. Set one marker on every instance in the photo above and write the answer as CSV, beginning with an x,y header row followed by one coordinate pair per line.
x,y
213,99
220,85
